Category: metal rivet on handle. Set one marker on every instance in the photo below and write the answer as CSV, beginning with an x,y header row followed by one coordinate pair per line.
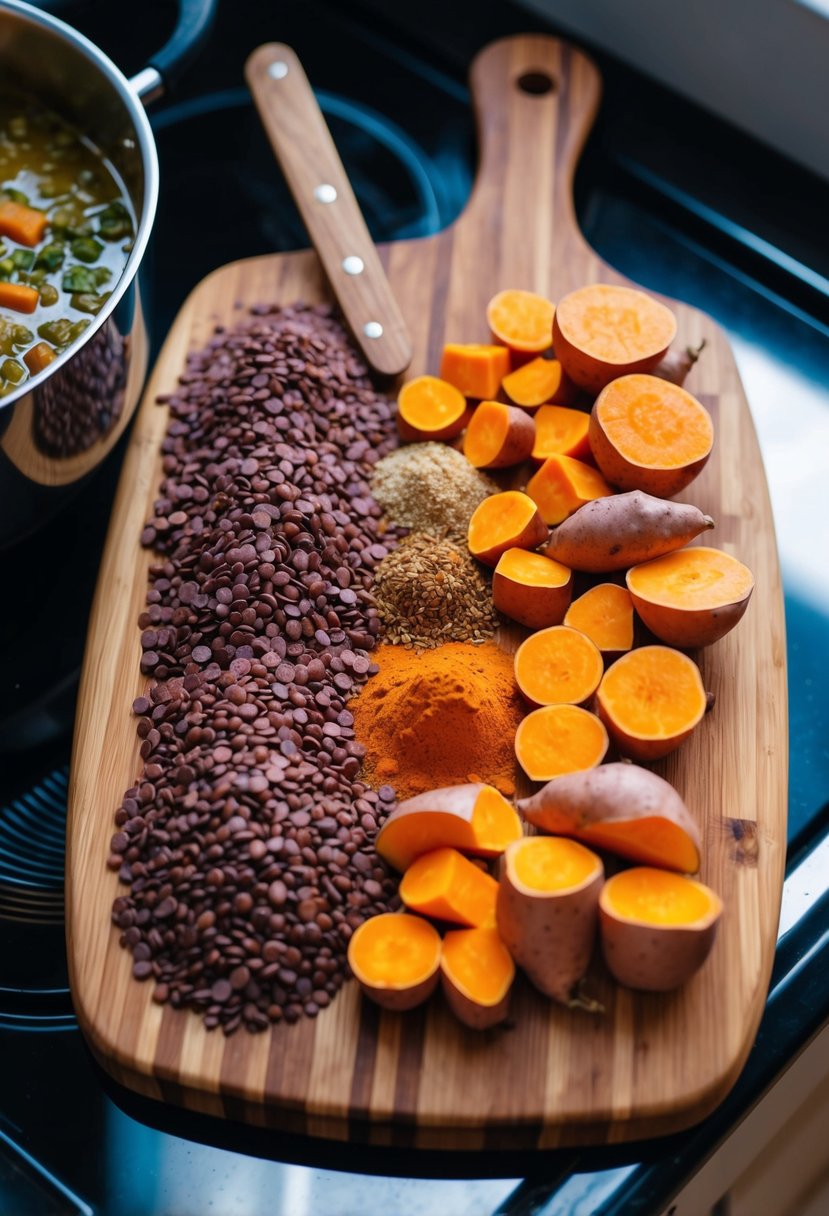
x,y
373,329
278,70
325,193
353,265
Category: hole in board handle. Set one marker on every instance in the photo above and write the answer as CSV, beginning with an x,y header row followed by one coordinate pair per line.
x,y
536,83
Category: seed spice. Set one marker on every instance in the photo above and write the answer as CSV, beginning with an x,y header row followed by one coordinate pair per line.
x,y
429,591
430,487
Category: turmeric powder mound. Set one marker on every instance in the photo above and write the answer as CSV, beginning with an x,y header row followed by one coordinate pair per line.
x,y
439,717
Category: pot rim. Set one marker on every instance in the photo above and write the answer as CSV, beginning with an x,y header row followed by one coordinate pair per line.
x,y
145,141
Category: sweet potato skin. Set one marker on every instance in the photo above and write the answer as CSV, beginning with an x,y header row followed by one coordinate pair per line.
x,y
534,606
575,802
624,530
397,998
455,803
530,537
686,627
653,958
550,937
518,441
590,372
475,1014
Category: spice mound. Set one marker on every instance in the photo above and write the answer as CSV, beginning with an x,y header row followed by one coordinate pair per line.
x,y
439,717
246,845
430,591
430,487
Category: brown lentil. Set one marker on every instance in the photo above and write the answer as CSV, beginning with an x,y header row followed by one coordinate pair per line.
x,y
238,841
430,487
429,591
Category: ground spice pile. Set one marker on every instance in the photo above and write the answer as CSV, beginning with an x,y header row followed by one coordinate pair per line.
x,y
440,717
247,843
429,591
430,487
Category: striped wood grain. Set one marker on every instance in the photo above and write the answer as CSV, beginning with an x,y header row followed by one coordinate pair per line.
x,y
651,1064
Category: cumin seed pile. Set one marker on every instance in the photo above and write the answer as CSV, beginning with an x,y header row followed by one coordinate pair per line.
x,y
429,591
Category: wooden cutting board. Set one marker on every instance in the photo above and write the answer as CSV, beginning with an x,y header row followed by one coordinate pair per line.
x,y
651,1064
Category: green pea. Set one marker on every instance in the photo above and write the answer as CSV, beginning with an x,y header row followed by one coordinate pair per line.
x,y
49,295
12,371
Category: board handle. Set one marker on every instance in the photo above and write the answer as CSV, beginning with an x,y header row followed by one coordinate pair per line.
x,y
535,100
322,192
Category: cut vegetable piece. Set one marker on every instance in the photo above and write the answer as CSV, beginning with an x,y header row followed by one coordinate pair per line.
x,y
603,331
474,818
475,370
648,434
443,884
548,911
429,408
531,589
537,382
559,739
560,431
26,225
650,700
498,436
692,597
605,614
39,356
558,666
657,928
562,485
21,298
623,808
504,521
476,974
521,320
395,959
623,530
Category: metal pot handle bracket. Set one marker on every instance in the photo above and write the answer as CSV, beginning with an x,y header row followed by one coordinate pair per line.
x,y
195,20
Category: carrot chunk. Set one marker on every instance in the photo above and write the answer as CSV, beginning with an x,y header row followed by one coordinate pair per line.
x,y
23,224
40,356
18,296
474,369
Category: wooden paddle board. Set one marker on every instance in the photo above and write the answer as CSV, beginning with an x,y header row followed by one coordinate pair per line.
x,y
650,1064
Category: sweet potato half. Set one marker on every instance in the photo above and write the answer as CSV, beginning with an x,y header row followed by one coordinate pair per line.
x,y
476,976
395,959
473,818
692,597
531,589
650,700
558,739
504,521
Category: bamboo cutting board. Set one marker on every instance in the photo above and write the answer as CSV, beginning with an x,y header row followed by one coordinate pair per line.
x,y
651,1064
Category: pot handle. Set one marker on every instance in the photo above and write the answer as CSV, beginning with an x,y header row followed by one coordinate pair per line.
x,y
195,19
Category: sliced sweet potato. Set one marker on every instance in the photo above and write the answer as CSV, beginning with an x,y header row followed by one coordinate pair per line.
x,y
476,975
651,700
623,530
692,597
622,808
504,521
445,885
603,331
531,589
395,959
605,614
559,739
498,436
521,320
548,911
648,434
657,928
558,666
474,818
429,409
562,485
540,381
475,369
560,431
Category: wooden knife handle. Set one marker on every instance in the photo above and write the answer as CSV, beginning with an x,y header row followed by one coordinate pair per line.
x,y
316,177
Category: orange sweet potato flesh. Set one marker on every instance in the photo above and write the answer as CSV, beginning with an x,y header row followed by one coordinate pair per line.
x,y
504,521
562,485
476,370
648,434
531,589
623,808
477,972
605,614
498,436
521,320
603,331
614,533
537,382
560,431
445,885
557,739
558,666
395,958
473,818
657,928
692,597
650,700
430,408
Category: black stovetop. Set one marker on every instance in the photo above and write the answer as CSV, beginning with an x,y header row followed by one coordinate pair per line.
x,y
665,193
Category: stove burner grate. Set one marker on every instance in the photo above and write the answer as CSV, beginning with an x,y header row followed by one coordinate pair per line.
x,y
32,851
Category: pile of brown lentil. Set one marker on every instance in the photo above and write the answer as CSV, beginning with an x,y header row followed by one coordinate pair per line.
x,y
246,844
429,591
430,487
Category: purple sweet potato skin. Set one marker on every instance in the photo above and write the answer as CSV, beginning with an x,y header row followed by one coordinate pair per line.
x,y
471,1013
653,958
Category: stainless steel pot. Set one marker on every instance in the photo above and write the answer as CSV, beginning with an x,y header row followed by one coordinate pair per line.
x,y
54,432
